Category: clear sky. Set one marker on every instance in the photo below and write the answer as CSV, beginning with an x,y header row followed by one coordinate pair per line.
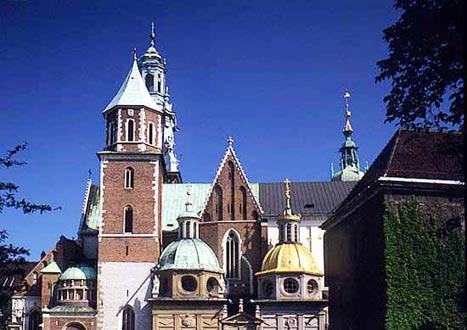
x,y
270,73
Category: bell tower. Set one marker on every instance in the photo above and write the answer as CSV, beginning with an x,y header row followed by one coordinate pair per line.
x,y
154,71
131,175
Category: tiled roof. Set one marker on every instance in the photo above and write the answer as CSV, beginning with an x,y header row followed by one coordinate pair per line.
x,y
133,91
417,155
306,197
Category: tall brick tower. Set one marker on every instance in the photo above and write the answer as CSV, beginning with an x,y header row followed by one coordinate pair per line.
x,y
132,170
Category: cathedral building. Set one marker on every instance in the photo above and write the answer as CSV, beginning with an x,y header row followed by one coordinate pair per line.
x,y
155,253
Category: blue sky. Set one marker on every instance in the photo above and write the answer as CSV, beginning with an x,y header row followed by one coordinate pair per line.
x,y
270,73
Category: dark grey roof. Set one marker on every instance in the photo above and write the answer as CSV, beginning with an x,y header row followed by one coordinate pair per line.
x,y
306,197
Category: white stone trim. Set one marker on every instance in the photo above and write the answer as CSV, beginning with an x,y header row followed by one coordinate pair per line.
x,y
417,180
155,187
103,165
251,273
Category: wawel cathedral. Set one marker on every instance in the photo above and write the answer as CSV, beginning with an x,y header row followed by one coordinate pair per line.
x,y
155,253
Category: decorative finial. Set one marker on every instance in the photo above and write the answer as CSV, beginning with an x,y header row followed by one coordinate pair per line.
x,y
230,141
89,174
134,54
347,127
288,209
240,305
188,204
332,170
152,35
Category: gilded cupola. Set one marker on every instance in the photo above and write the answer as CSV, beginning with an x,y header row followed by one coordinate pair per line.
x,y
288,270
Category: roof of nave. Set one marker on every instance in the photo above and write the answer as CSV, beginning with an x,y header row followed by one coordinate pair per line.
x,y
306,197
133,91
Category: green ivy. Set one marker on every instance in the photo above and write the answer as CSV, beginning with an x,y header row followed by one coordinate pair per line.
x,y
425,270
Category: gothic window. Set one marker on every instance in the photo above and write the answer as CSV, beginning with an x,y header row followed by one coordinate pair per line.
x,y
243,206
130,130
129,178
151,133
128,319
128,221
232,188
219,202
150,82
34,278
232,260
34,320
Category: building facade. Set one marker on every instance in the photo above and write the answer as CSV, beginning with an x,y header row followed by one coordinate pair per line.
x,y
155,253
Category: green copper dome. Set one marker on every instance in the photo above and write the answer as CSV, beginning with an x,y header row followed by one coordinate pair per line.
x,y
78,272
189,254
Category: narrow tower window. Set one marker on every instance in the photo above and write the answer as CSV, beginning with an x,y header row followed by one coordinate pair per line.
x,y
128,225
129,178
130,130
150,82
111,133
151,133
128,319
159,83
243,206
219,202
232,256
232,188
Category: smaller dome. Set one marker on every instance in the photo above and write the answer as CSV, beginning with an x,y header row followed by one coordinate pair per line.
x,y
289,258
189,254
78,272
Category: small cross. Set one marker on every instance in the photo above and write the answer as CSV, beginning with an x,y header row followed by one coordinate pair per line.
x,y
287,193
230,141
134,53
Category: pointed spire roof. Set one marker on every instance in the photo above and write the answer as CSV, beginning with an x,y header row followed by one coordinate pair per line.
x,y
133,91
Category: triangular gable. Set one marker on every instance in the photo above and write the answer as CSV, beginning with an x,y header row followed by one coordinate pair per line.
x,y
232,206
242,318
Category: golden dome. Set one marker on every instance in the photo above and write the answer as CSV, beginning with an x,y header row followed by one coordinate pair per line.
x,y
289,258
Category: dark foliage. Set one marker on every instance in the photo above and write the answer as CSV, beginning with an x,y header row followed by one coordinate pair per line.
x,y
425,65
425,270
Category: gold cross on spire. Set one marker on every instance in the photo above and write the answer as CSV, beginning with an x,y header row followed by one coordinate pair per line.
x,y
287,194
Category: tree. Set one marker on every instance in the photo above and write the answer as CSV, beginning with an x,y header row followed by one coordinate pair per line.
x,y
425,65
12,258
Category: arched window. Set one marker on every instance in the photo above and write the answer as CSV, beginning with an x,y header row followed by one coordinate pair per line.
x,y
129,178
151,133
35,319
232,256
159,83
75,326
128,319
219,202
232,189
130,130
150,82
288,233
128,221
243,206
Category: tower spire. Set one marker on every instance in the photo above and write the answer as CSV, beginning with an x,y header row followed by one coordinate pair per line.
x,y
349,163
152,35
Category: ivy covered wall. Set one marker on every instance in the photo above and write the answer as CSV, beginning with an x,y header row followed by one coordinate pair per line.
x,y
424,268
